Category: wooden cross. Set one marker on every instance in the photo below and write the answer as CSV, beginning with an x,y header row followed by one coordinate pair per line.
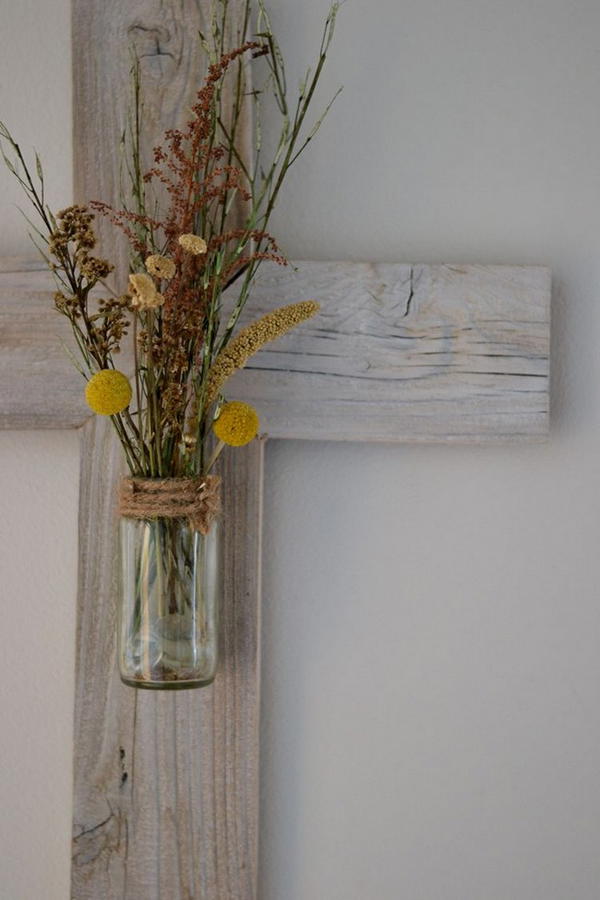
x,y
166,785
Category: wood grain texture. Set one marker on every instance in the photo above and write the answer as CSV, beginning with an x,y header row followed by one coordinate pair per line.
x,y
399,353
405,353
163,34
40,387
166,784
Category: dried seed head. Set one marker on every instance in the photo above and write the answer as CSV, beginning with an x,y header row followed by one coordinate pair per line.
x,y
250,339
193,244
160,266
145,295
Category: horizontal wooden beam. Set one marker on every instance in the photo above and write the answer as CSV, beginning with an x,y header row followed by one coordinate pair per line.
x,y
405,353
40,386
398,353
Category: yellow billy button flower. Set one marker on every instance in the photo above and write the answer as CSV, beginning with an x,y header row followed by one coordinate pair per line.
x,y
193,244
108,392
160,266
237,424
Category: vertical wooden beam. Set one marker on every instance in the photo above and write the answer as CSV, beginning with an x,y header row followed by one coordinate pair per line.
x,y
165,785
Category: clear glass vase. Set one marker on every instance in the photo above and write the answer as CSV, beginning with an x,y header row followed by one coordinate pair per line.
x,y
169,605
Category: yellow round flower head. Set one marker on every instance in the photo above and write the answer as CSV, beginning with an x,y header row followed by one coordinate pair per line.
x,y
237,424
193,244
108,392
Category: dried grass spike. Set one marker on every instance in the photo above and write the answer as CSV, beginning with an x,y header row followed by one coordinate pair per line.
x,y
250,340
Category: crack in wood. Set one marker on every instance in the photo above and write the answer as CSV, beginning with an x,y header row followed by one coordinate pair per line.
x,y
411,292
95,840
448,372
85,831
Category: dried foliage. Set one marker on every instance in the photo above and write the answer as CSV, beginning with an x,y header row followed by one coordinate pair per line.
x,y
187,251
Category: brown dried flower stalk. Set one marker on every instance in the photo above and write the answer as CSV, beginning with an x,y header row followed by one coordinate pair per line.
x,y
196,224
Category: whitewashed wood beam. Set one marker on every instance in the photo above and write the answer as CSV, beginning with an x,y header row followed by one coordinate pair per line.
x,y
39,386
410,353
166,787
399,353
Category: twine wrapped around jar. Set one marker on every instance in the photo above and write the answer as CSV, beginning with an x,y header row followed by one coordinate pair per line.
x,y
195,499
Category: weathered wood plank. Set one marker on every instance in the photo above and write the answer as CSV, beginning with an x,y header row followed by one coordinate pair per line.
x,y
165,37
464,357
104,709
40,387
405,353
166,785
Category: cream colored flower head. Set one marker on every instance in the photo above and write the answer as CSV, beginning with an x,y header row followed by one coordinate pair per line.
x,y
160,266
193,244
145,295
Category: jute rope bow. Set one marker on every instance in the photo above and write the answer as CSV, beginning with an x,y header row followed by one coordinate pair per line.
x,y
195,499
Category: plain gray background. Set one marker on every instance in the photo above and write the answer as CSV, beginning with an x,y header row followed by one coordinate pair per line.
x,y
432,620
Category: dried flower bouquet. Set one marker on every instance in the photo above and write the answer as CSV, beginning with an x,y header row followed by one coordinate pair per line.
x,y
196,224
184,254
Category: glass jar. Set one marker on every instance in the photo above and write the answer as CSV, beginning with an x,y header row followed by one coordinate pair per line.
x,y
169,604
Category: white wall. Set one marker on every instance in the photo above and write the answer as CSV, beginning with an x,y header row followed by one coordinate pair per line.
x,y
38,526
431,631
